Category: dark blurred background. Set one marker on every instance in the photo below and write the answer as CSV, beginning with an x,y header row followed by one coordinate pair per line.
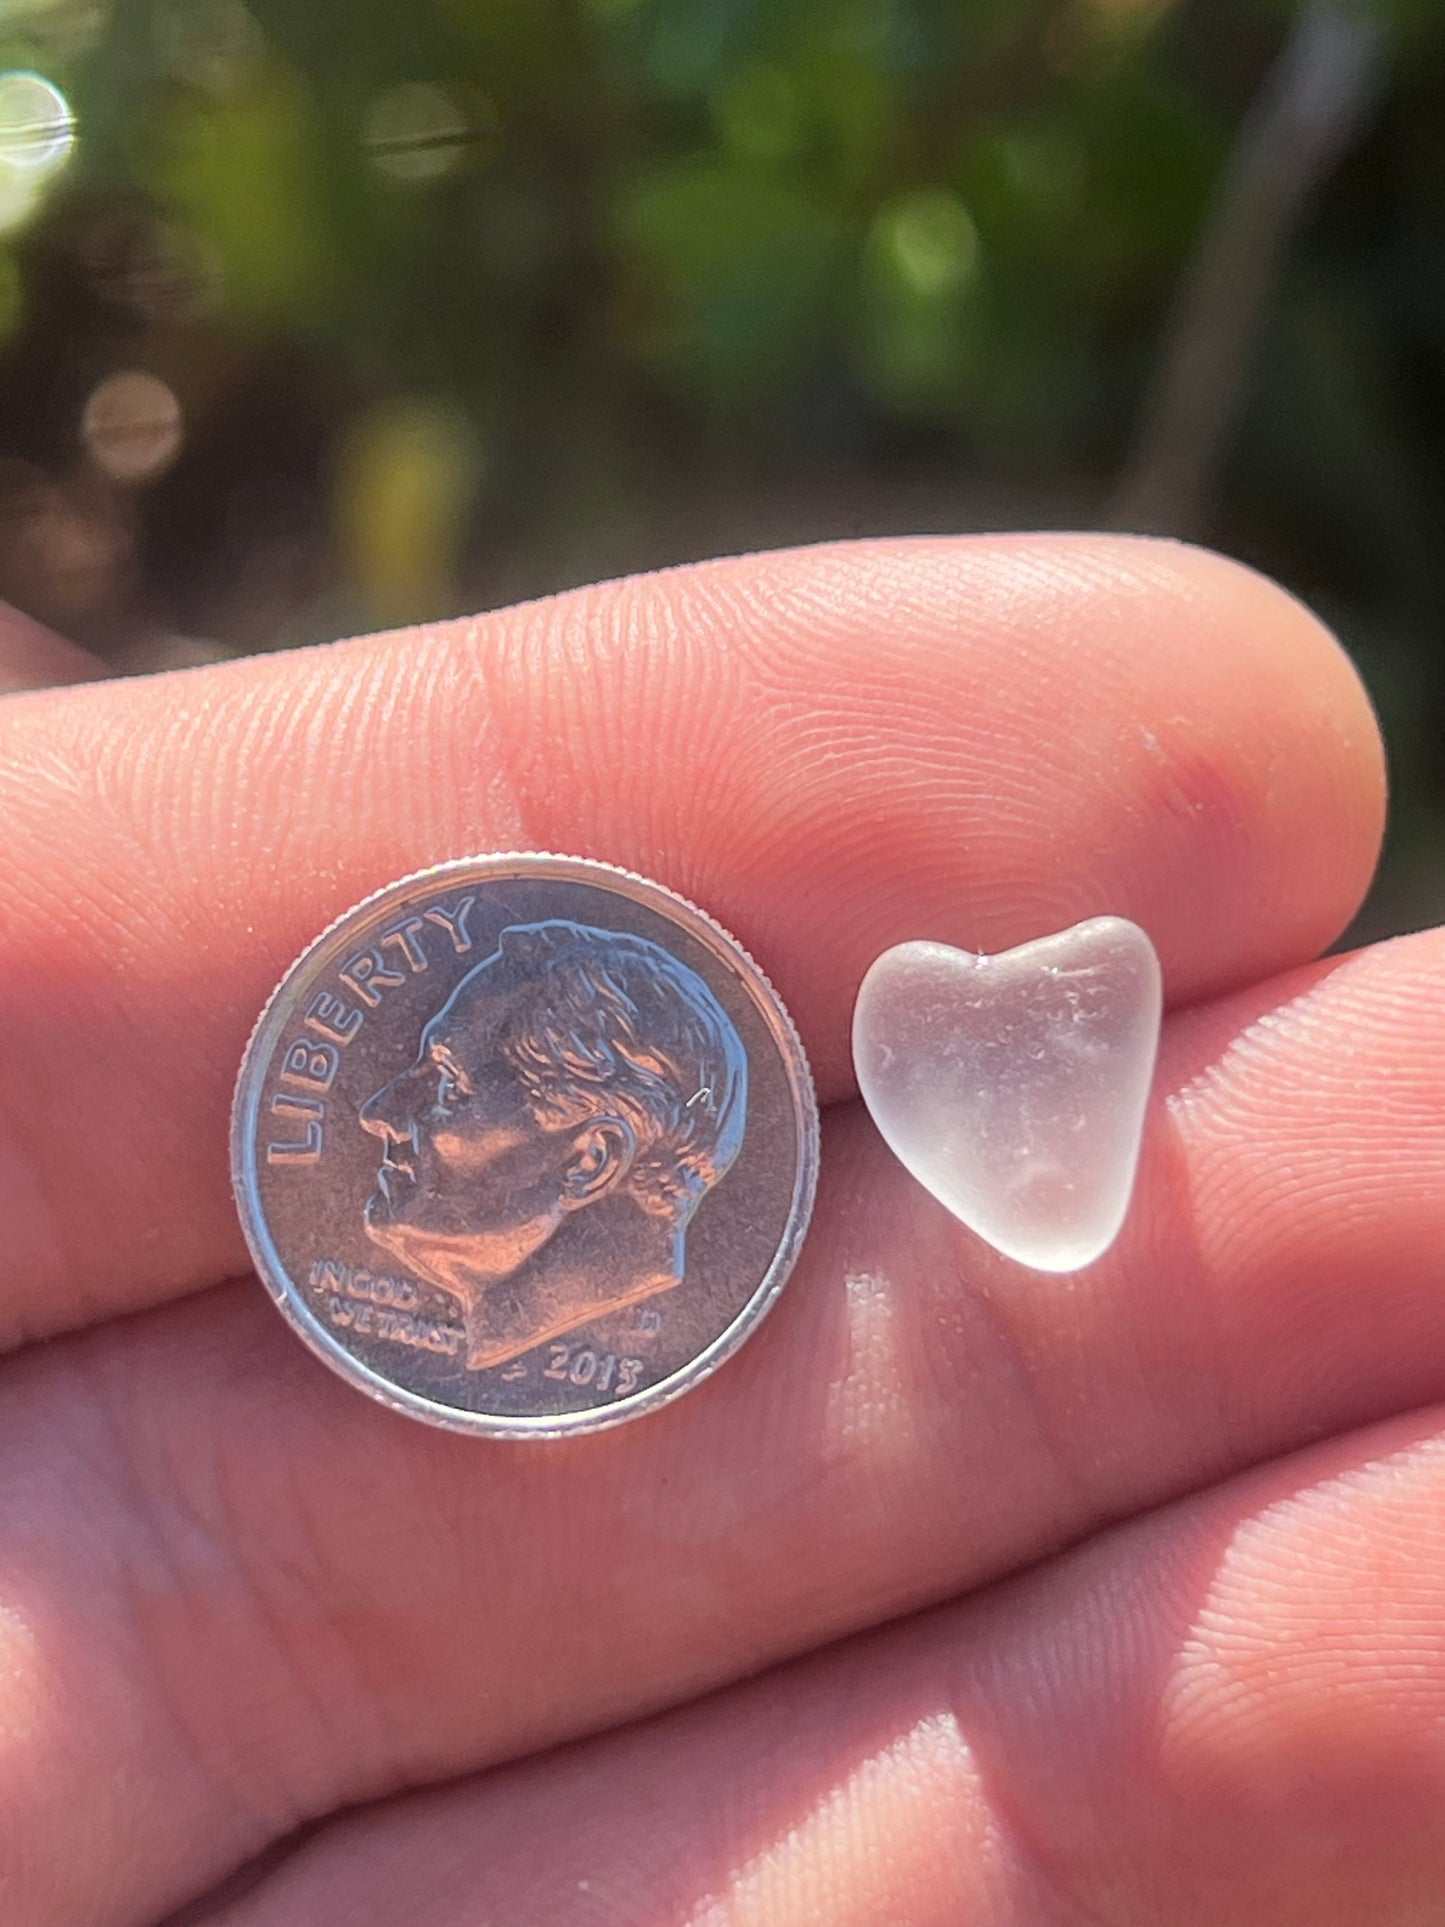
x,y
323,314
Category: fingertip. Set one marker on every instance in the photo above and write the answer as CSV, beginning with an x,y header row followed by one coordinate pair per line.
x,y
1315,777
1239,739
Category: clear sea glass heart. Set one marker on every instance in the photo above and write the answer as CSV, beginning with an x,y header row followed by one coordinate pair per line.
x,y
1014,1087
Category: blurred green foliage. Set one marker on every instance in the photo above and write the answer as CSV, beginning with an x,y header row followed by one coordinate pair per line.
x,y
467,299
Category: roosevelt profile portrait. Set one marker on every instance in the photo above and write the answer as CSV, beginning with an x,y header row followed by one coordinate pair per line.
x,y
571,1104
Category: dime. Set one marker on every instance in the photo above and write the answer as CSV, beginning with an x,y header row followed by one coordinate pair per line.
x,y
524,1145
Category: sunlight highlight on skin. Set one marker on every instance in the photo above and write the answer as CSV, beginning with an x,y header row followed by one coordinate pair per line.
x,y
908,1829
873,1399
1282,1608
1303,1715
1292,1021
31,1725
20,1715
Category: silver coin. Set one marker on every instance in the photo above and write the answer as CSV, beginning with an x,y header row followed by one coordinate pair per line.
x,y
524,1145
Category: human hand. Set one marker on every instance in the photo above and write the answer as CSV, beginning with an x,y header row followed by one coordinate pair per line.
x,y
1182,1517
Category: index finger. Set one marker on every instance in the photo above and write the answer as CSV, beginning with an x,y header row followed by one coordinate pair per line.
x,y
830,750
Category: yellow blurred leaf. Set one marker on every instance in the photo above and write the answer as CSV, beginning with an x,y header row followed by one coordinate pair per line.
x,y
407,477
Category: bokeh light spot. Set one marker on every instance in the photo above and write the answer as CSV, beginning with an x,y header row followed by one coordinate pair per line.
x,y
37,128
405,484
929,241
418,132
132,427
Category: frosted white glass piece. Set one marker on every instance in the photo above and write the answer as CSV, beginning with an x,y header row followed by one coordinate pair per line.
x,y
1014,1087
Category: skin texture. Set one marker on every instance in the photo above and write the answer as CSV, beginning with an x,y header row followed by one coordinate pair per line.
x,y
961,1595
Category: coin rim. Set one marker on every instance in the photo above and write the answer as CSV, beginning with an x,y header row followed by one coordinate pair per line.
x,y
285,1294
